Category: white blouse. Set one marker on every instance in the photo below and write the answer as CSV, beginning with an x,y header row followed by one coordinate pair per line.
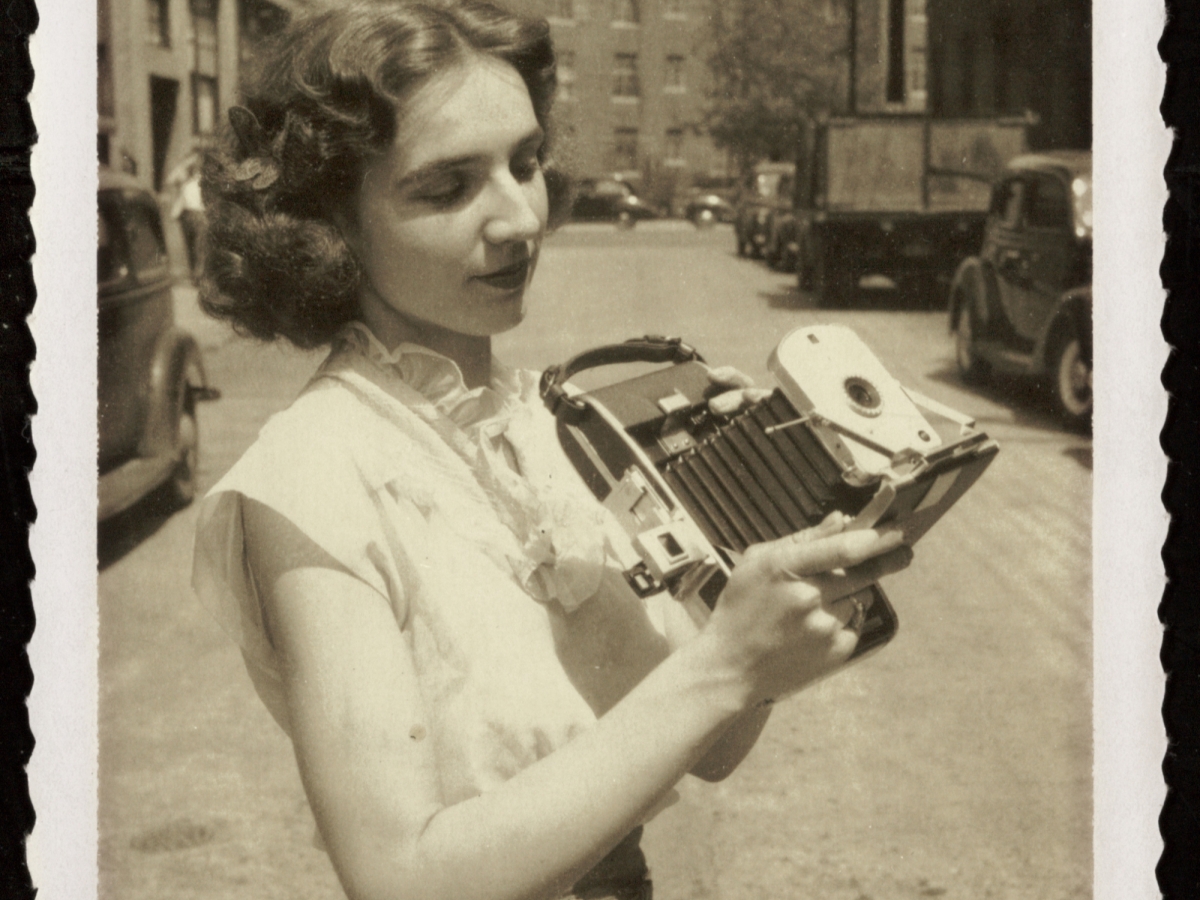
x,y
459,508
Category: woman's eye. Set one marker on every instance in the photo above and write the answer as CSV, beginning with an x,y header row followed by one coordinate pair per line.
x,y
444,190
524,169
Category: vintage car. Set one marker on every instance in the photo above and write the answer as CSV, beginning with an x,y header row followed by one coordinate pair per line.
x,y
150,372
702,206
1023,306
609,200
767,190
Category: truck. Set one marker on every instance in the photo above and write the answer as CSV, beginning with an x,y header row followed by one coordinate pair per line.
x,y
902,196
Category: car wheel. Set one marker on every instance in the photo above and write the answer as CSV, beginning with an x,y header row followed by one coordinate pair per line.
x,y
625,220
787,258
1071,380
832,281
770,252
972,369
183,482
804,267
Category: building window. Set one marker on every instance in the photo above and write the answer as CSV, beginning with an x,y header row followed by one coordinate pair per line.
x,y
566,75
674,147
105,100
675,9
624,12
204,70
966,54
204,36
563,9
675,83
204,103
625,76
895,51
158,23
625,150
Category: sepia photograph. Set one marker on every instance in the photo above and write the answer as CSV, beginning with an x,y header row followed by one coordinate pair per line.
x,y
595,449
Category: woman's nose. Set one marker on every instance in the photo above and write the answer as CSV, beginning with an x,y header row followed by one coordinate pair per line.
x,y
515,215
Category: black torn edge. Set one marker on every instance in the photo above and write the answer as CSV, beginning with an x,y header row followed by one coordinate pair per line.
x,y
17,454
1179,867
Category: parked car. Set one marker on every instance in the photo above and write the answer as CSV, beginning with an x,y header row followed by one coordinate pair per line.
x,y
609,200
701,206
150,373
1024,304
768,188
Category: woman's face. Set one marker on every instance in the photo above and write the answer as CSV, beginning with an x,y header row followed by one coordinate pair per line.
x,y
449,220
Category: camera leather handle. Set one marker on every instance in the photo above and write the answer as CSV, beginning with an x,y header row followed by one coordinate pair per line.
x,y
650,349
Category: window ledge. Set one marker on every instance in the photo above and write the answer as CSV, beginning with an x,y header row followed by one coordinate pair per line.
x,y
622,98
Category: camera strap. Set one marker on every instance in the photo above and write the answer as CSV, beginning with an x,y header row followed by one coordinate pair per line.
x,y
649,349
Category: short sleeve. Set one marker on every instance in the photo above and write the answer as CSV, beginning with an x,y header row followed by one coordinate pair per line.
x,y
305,468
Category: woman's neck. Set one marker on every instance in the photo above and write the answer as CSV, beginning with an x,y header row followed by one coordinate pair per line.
x,y
472,353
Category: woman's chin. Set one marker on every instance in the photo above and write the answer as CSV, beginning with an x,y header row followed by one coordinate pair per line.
x,y
502,312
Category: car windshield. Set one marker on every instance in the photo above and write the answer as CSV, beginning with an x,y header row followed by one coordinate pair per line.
x,y
1081,193
612,189
766,184
109,265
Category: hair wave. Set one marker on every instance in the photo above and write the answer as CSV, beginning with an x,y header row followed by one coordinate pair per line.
x,y
323,102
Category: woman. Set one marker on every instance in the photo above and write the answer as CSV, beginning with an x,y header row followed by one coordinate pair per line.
x,y
422,588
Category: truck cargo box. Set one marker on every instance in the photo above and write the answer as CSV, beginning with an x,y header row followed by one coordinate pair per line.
x,y
901,196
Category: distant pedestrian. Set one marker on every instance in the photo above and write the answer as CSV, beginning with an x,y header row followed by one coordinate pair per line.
x,y
188,210
428,598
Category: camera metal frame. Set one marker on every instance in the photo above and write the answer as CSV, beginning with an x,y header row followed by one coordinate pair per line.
x,y
693,489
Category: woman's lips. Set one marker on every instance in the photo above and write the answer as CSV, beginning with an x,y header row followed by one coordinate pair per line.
x,y
509,278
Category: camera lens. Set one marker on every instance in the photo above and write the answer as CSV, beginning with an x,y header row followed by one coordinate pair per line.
x,y
864,397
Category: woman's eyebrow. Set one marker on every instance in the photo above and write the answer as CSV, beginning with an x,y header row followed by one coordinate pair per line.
x,y
438,166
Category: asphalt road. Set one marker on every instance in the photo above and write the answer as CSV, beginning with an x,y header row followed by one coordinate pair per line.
x,y
956,763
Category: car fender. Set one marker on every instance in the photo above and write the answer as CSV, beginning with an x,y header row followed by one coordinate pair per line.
x,y
1075,308
174,352
973,277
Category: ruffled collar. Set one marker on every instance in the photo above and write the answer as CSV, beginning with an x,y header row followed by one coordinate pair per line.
x,y
437,378
502,433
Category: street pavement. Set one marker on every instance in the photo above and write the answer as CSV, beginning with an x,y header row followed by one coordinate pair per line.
x,y
955,763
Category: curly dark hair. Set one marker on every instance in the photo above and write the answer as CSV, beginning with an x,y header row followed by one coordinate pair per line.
x,y
324,102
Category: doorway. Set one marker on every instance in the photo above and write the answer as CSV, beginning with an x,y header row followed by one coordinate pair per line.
x,y
164,97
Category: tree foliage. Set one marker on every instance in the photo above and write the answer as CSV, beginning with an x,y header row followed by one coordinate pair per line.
x,y
775,65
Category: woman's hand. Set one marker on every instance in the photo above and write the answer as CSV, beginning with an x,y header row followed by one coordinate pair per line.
x,y
781,621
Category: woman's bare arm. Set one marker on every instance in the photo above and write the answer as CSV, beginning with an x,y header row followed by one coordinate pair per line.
x,y
368,763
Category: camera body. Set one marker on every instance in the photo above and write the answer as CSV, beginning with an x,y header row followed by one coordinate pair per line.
x,y
694,489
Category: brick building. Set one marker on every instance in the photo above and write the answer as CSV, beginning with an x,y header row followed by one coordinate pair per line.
x,y
167,72
631,101
632,76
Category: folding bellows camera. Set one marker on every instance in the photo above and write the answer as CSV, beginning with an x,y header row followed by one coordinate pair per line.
x,y
694,489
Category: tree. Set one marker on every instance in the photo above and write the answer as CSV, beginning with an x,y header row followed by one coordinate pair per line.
x,y
776,65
